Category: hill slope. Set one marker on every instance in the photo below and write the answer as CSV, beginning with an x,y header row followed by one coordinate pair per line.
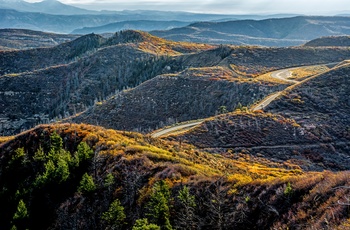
x,y
225,76
329,41
320,104
43,84
311,128
71,176
192,94
28,39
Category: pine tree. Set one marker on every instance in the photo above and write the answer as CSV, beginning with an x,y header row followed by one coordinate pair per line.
x,y
86,184
186,213
158,206
142,224
21,212
115,215
56,142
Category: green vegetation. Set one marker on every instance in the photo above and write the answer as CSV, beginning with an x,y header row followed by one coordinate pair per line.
x,y
87,184
142,224
115,215
136,182
288,190
21,212
158,205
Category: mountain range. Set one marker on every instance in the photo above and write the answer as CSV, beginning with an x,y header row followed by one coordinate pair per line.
x,y
269,32
45,6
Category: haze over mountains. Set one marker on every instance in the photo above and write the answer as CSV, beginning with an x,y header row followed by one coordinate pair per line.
x,y
267,30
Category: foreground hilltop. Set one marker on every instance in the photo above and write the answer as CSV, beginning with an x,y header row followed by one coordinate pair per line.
x,y
79,176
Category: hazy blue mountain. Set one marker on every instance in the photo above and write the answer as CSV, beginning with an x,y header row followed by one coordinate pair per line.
x,y
51,23
46,6
10,18
145,25
269,32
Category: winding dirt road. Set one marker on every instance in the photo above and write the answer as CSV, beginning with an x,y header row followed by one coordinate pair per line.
x,y
163,132
282,74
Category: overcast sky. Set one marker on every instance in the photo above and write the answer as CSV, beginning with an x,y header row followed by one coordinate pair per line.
x,y
314,7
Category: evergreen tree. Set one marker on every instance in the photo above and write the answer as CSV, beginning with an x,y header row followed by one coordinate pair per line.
x,y
142,224
84,151
39,155
186,213
86,184
21,212
109,181
158,205
115,215
56,142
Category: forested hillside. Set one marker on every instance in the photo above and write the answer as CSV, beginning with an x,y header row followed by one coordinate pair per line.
x,y
86,177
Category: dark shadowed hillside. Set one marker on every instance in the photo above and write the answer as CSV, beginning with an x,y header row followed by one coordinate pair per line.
x,y
192,94
48,83
34,59
225,76
321,105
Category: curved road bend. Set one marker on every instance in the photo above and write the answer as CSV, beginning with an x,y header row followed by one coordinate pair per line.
x,y
282,74
175,128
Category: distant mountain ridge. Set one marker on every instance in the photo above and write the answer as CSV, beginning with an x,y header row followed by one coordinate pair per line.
x,y
17,19
144,25
268,32
46,6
